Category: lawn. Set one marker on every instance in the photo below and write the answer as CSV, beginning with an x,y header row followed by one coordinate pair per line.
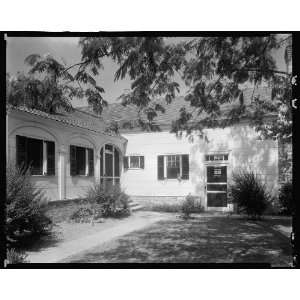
x,y
202,239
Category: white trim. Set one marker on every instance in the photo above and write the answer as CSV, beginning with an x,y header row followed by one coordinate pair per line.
x,y
44,158
86,162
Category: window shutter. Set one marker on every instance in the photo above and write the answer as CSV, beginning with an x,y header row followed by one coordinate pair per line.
x,y
125,162
21,151
91,161
101,162
142,162
50,158
185,166
160,167
73,167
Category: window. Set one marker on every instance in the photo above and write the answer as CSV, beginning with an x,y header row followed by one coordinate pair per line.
x,y
173,167
216,157
81,161
134,162
37,154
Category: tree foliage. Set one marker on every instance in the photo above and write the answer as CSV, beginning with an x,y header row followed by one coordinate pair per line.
x,y
49,86
214,70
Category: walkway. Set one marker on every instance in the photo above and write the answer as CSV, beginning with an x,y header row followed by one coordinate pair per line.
x,y
81,237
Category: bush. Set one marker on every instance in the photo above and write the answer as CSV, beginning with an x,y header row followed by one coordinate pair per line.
x,y
286,199
25,208
14,257
190,206
248,192
109,202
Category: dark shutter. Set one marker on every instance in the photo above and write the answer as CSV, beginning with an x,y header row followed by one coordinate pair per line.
x,y
73,167
117,163
91,161
185,166
142,162
50,158
125,162
21,151
160,167
101,162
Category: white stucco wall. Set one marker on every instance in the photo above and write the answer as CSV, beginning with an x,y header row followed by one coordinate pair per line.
x,y
62,185
240,141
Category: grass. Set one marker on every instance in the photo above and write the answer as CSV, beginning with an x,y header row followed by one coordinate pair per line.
x,y
197,240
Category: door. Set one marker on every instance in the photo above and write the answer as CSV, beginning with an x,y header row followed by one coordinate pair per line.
x,y
109,166
216,186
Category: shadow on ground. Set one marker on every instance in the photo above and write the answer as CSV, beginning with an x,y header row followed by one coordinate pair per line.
x,y
198,240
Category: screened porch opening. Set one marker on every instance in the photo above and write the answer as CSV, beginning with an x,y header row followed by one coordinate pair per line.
x,y
109,166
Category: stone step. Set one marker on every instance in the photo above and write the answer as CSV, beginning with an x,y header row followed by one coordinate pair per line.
x,y
134,206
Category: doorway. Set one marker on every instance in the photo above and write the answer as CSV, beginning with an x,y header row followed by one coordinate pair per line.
x,y
216,186
109,166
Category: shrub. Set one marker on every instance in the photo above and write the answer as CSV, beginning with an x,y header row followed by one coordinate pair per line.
x,y
14,257
188,206
249,193
25,208
82,214
109,202
286,198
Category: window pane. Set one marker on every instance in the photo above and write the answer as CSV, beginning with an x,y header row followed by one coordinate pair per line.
x,y
80,160
134,162
216,199
109,147
173,166
35,156
217,174
117,163
108,165
173,172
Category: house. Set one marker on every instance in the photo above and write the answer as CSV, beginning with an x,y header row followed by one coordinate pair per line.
x,y
71,151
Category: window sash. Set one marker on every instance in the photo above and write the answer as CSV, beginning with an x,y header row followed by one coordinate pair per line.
x,y
81,161
173,166
134,162
37,153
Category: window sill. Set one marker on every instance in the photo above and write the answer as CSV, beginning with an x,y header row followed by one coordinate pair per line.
x,y
82,176
173,179
134,169
45,175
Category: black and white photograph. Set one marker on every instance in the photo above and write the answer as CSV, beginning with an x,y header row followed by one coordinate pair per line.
x,y
154,148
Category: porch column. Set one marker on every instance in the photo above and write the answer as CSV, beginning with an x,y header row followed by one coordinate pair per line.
x,y
62,153
97,167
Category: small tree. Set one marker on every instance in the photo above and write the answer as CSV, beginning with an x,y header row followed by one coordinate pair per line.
x,y
249,193
286,198
25,208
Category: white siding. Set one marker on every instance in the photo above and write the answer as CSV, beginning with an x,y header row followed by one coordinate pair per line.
x,y
241,141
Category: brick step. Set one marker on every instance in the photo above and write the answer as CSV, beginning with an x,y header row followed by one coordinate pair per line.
x,y
134,206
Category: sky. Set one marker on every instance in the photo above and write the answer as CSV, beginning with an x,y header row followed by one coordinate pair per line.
x,y
67,49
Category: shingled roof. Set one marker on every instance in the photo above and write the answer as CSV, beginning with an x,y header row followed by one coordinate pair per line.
x,y
84,117
119,113
76,118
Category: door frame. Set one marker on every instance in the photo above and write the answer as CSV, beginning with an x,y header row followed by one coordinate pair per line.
x,y
216,164
113,177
